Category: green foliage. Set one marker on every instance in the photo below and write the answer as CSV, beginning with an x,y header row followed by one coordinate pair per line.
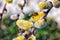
x,y
13,28
26,17
1,33
7,21
10,31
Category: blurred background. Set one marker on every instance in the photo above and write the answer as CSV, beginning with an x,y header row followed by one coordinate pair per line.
x,y
29,20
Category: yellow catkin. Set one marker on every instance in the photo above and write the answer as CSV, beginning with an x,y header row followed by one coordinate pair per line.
x,y
9,1
55,2
37,17
40,22
23,24
42,5
19,38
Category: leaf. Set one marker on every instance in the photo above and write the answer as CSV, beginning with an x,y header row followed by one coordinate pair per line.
x,y
26,17
13,28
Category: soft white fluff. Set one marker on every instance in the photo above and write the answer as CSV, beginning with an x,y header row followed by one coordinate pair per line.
x,y
2,4
55,13
13,9
13,17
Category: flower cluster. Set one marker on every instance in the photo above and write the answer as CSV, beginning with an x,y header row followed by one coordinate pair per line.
x,y
23,24
35,21
36,18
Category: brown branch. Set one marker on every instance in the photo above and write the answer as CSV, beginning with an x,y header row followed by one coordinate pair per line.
x,y
23,6
1,14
